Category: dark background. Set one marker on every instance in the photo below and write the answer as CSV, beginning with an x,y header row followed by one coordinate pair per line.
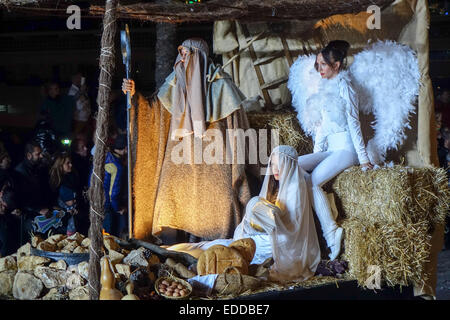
x,y
36,49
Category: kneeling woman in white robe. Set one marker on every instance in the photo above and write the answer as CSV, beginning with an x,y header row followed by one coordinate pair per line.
x,y
280,221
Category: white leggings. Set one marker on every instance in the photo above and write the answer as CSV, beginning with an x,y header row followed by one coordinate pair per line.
x,y
323,166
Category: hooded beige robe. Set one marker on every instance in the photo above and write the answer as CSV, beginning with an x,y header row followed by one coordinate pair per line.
x,y
204,199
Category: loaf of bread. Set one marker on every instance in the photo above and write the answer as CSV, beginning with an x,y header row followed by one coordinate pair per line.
x,y
217,258
246,247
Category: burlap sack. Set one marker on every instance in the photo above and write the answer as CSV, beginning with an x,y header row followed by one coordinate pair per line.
x,y
235,283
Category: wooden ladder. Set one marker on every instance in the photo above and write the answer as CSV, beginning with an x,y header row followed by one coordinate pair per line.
x,y
257,63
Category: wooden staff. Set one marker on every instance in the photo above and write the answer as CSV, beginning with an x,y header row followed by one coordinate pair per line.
x,y
126,55
96,191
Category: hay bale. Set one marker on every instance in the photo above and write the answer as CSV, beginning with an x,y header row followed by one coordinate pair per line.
x,y
376,195
431,193
400,251
287,125
393,195
389,215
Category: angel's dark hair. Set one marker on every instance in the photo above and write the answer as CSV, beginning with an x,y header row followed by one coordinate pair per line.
x,y
335,51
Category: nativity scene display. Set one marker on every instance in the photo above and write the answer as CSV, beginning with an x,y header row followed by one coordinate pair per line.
x,y
301,160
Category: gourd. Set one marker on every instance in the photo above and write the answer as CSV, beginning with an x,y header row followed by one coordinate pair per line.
x,y
130,295
108,282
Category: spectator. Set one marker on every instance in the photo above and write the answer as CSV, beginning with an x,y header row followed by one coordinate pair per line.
x,y
119,106
65,182
442,150
67,200
444,161
442,106
438,117
115,215
81,162
81,159
113,133
48,141
6,173
13,143
5,167
32,188
442,154
9,221
59,109
82,113
9,226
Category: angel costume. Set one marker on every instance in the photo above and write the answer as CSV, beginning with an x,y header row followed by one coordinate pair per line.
x,y
328,110
338,144
290,236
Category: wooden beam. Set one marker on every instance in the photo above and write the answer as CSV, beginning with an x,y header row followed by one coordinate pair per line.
x,y
174,11
249,10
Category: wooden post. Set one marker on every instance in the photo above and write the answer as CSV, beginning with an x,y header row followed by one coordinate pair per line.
x,y
165,49
96,191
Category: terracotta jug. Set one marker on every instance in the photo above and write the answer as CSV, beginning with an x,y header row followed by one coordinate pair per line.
x,y
130,295
108,282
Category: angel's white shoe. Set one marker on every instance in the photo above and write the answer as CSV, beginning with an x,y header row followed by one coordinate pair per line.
x,y
336,248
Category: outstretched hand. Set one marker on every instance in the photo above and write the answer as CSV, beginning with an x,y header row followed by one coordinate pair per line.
x,y
367,165
128,86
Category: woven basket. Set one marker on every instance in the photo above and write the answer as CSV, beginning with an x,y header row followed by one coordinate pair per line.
x,y
171,278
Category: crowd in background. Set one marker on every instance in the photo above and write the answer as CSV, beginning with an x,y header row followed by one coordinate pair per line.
x,y
442,114
44,180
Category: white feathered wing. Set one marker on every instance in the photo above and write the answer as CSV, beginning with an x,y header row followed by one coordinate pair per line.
x,y
386,79
303,83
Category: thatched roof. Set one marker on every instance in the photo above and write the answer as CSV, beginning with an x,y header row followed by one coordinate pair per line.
x,y
175,11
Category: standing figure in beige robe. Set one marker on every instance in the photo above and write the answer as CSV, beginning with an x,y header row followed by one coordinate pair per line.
x,y
189,172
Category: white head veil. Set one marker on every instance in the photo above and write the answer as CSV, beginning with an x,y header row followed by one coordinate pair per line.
x,y
295,246
190,90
